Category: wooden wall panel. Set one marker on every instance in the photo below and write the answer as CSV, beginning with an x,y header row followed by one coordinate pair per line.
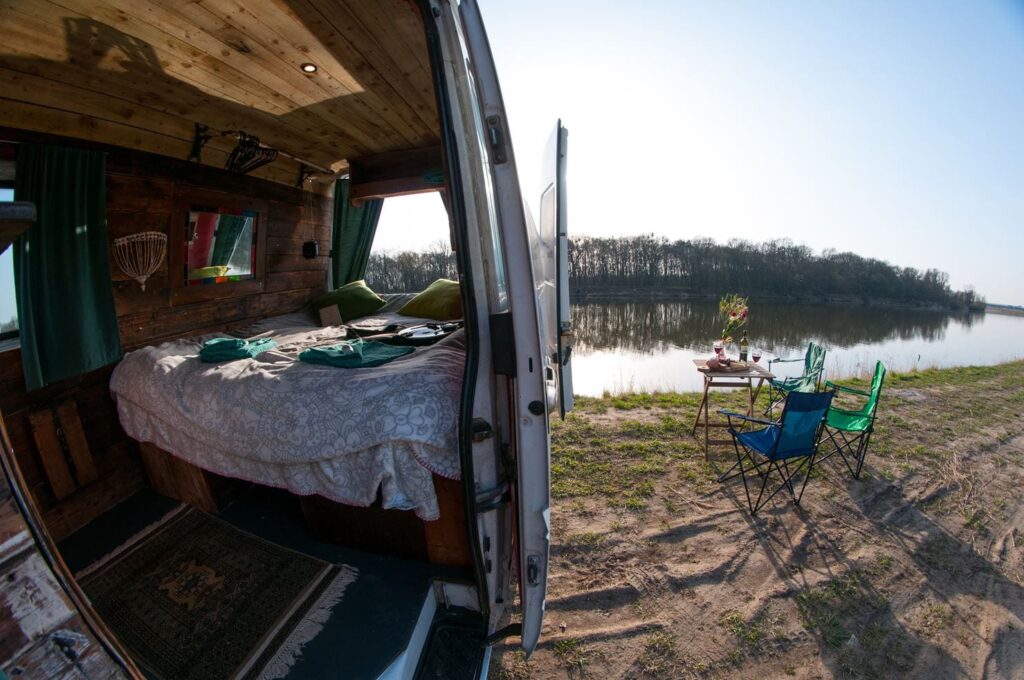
x,y
141,73
140,197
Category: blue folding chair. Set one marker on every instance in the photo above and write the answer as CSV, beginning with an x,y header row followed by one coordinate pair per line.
x,y
787,447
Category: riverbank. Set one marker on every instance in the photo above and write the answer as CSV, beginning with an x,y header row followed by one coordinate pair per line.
x,y
583,294
1009,310
915,570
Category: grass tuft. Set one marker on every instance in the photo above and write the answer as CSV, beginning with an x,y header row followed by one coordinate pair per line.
x,y
572,653
659,655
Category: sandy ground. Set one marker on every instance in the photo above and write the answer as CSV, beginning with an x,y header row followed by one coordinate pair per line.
x,y
916,570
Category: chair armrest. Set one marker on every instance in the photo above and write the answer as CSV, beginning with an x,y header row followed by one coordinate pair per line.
x,y
743,416
783,361
833,386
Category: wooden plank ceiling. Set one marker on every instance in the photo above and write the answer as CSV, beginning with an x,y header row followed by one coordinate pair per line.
x,y
141,73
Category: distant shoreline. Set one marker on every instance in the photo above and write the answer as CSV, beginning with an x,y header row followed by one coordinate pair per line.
x,y
1009,310
579,294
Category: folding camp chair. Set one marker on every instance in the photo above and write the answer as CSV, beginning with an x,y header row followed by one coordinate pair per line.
x,y
779,388
850,430
786,447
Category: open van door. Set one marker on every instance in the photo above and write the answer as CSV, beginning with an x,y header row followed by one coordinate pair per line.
x,y
531,392
552,258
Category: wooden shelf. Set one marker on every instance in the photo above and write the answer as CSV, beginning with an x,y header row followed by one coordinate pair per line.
x,y
15,218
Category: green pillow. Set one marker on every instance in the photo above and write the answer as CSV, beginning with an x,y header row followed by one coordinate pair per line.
x,y
353,300
440,300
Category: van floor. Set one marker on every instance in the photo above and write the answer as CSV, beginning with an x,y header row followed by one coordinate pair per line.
x,y
365,632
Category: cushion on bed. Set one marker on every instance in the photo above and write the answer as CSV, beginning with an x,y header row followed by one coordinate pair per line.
x,y
440,300
353,300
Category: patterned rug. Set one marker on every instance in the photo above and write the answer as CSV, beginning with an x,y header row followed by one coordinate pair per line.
x,y
193,597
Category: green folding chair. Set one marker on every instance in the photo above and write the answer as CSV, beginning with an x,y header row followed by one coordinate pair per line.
x,y
780,388
848,430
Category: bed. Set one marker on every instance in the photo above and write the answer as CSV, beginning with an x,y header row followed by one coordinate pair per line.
x,y
341,434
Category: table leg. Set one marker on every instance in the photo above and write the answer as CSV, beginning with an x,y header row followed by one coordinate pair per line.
x,y
707,421
704,398
760,384
750,395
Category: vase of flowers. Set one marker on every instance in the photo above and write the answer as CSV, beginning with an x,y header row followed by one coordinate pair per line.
x,y
733,310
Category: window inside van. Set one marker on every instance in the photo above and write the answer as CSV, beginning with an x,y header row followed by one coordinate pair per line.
x,y
412,245
8,305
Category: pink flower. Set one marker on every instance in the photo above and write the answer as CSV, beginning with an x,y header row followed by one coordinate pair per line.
x,y
743,314
732,315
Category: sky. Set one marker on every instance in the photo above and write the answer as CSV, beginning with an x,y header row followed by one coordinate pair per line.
x,y
8,307
893,130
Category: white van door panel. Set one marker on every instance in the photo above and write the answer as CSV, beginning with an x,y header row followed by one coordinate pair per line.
x,y
529,413
482,248
554,257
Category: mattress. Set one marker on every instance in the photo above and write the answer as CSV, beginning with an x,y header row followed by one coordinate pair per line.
x,y
339,433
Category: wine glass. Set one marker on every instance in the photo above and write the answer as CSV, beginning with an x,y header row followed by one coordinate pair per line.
x,y
756,354
718,348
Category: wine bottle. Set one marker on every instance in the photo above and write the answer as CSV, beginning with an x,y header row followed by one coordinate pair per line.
x,y
744,346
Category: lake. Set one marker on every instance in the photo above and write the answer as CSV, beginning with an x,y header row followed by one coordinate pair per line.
x,y
648,346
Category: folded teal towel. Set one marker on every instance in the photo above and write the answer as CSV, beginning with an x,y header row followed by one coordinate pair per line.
x,y
354,354
229,349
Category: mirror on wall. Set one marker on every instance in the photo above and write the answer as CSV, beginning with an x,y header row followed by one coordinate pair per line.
x,y
221,247
217,245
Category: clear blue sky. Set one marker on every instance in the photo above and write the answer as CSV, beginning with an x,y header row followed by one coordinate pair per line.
x,y
890,129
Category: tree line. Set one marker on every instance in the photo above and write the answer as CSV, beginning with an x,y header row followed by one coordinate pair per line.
x,y
410,272
776,268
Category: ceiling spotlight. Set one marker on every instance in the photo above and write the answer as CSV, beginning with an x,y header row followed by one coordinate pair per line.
x,y
308,67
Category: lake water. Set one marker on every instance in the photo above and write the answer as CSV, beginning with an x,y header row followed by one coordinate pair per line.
x,y
648,346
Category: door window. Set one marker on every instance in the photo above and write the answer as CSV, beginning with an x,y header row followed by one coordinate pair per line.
x,y
8,303
412,245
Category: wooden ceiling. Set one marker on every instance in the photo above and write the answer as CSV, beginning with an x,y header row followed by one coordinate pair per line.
x,y
141,73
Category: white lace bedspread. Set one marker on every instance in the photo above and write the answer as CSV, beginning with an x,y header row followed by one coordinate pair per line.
x,y
339,433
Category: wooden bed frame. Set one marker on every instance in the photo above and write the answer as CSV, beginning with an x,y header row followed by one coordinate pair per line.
x,y
394,533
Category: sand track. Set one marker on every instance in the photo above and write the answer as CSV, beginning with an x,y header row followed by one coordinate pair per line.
x,y
917,570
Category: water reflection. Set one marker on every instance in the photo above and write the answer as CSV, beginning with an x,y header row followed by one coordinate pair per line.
x,y
624,346
650,326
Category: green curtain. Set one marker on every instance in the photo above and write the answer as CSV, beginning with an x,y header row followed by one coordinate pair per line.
x,y
229,230
352,235
68,325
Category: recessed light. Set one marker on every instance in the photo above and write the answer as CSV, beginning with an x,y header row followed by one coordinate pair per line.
x,y
308,67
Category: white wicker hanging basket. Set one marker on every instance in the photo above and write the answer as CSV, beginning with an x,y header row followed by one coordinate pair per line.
x,y
139,255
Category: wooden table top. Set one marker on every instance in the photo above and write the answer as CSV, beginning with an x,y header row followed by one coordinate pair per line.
x,y
752,371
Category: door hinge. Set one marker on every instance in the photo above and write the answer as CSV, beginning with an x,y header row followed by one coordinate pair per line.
x,y
503,343
533,570
508,631
492,498
496,137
